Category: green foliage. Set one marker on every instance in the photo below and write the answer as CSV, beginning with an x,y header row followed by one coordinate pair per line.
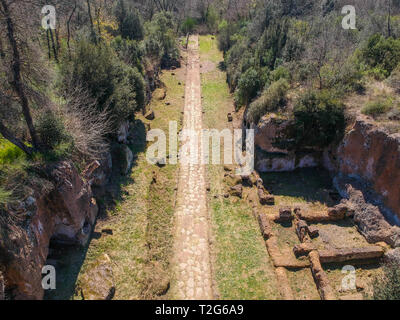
x,y
161,41
50,129
248,86
5,196
271,100
9,153
130,51
382,54
280,73
319,119
225,31
394,79
129,21
387,287
188,25
212,19
378,107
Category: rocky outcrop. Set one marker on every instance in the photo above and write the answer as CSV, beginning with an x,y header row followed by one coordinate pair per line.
x,y
64,212
275,147
370,153
368,217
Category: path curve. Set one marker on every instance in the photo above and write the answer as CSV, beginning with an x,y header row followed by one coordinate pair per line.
x,y
191,264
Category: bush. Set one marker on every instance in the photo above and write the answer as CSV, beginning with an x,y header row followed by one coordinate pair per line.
x,y
280,73
248,86
129,21
161,39
382,54
50,129
225,32
188,25
271,100
376,108
319,119
387,287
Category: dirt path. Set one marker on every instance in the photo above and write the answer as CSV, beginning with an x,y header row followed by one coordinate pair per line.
x,y
191,259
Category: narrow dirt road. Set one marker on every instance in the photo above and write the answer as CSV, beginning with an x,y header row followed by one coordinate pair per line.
x,y
191,259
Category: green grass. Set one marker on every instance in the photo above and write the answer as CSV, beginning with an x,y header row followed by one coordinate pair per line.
x,y
9,152
242,267
5,196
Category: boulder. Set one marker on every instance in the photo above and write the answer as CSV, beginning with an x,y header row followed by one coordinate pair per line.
x,y
313,232
236,191
264,197
230,118
265,226
393,257
303,249
97,283
301,229
285,214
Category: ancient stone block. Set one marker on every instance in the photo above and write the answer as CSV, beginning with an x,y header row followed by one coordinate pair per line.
x,y
265,226
285,214
230,118
301,229
313,232
236,191
321,279
303,249
349,254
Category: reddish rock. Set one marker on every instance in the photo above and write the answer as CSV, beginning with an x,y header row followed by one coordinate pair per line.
x,y
236,191
301,230
349,254
313,232
264,197
303,249
373,154
64,212
285,214
265,226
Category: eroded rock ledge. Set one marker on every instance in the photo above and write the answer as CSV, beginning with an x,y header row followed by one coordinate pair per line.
x,y
64,212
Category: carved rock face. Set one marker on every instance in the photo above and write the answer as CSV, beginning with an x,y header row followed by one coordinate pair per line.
x,y
374,155
64,214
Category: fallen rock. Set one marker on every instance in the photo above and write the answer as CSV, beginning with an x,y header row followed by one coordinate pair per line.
x,y
265,226
301,229
303,249
265,198
393,257
230,118
313,232
98,281
285,214
150,115
236,191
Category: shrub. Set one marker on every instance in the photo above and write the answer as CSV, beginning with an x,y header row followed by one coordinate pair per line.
x,y
382,54
387,286
280,73
319,119
225,32
50,129
271,100
188,25
248,86
378,107
161,39
129,21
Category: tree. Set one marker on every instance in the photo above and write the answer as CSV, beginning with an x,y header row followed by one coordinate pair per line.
x,y
16,80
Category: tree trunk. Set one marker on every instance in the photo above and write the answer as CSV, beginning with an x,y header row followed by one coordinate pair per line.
x,y
54,46
14,140
16,74
69,31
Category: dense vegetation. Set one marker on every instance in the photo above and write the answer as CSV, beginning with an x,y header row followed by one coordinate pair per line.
x,y
298,46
